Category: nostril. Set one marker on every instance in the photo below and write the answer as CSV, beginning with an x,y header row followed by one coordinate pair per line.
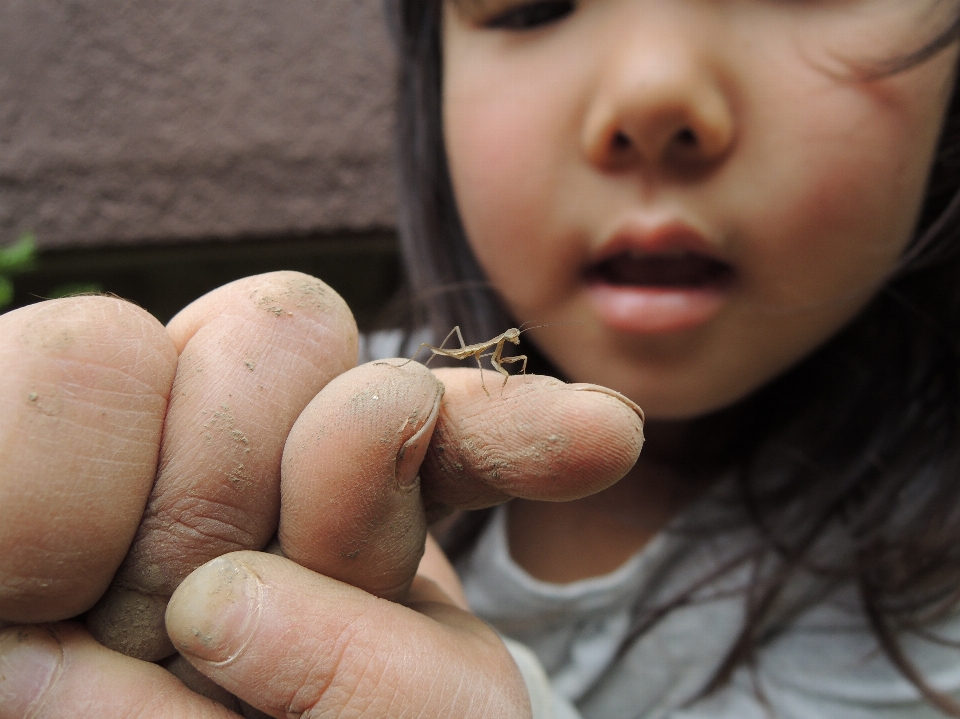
x,y
621,141
686,138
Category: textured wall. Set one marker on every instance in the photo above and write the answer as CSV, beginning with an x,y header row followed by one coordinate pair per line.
x,y
130,121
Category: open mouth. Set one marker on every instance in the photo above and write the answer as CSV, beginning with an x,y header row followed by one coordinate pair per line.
x,y
658,292
674,270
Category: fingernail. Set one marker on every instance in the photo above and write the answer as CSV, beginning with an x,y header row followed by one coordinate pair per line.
x,y
411,452
584,387
215,612
30,660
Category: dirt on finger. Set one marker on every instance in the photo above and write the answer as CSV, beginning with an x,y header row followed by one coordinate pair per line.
x,y
535,437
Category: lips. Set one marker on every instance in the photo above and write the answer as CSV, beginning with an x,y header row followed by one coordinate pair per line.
x,y
668,279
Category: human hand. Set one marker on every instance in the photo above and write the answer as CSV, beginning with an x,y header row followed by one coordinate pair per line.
x,y
306,645
83,403
490,422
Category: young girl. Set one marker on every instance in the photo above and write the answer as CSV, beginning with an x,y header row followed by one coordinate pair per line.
x,y
741,215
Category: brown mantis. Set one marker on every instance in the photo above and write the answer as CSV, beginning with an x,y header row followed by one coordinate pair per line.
x,y
477,351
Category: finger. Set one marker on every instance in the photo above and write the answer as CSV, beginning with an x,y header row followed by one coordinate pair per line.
x,y
350,491
538,439
293,642
253,355
351,504
437,569
57,671
83,392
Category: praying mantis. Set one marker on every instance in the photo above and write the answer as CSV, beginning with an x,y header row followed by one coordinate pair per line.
x,y
477,351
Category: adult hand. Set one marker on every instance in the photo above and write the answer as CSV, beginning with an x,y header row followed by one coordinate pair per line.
x,y
252,354
356,463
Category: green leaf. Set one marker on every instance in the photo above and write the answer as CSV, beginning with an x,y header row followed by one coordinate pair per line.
x,y
19,256
6,292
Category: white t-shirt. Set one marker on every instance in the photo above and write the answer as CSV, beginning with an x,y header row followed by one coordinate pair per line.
x,y
823,662
819,663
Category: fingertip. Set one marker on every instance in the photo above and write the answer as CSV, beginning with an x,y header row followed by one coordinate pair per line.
x,y
215,612
623,399
539,439
625,416
30,660
279,295
350,498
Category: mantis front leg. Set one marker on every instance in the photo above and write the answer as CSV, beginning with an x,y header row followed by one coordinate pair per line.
x,y
497,360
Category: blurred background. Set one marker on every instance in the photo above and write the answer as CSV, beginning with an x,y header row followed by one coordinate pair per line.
x,y
156,150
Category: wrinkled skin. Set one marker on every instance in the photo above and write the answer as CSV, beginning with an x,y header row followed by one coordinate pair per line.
x,y
244,420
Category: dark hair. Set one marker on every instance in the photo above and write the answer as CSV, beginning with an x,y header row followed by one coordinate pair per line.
x,y
863,435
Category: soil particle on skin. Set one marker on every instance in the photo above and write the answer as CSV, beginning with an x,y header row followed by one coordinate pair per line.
x,y
365,396
221,419
553,444
313,294
302,293
271,305
205,639
496,468
189,361
250,365
238,478
223,422
48,404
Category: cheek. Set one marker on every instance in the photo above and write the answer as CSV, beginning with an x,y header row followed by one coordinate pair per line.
x,y
848,192
497,162
503,148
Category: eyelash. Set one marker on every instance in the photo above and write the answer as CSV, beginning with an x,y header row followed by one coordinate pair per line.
x,y
532,15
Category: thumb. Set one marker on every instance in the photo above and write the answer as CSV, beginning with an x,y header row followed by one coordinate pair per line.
x,y
292,642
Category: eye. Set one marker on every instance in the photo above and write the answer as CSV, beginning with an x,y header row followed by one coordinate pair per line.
x,y
532,15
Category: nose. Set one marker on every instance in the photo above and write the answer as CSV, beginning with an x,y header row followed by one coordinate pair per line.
x,y
659,102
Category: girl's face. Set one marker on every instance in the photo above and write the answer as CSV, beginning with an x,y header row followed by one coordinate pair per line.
x,y
701,187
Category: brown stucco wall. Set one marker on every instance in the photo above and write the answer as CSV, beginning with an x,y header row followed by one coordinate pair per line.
x,y
169,120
